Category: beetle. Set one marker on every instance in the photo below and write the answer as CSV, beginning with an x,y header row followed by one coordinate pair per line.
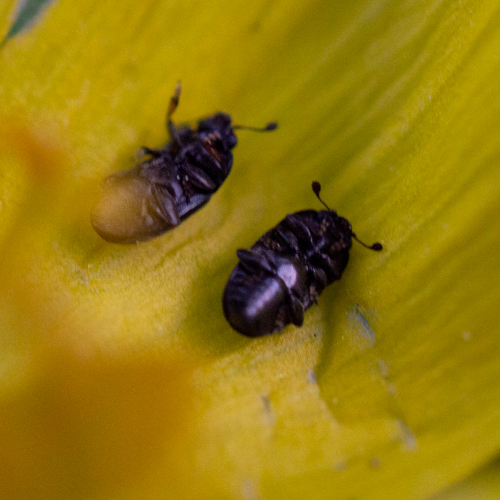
x,y
173,183
287,269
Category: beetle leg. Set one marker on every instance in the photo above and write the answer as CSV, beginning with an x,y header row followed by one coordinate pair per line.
x,y
332,268
300,230
297,310
200,179
319,277
155,153
281,319
165,206
192,204
174,102
209,144
253,261
318,281
288,238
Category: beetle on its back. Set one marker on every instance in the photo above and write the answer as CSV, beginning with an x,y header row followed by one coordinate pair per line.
x,y
159,193
287,269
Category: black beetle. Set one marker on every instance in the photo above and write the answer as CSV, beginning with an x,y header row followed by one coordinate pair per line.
x,y
159,193
286,270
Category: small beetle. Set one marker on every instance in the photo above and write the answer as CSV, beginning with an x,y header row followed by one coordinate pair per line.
x,y
286,270
159,193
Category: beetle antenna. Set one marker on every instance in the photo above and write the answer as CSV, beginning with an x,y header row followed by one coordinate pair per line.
x,y
317,188
270,126
376,246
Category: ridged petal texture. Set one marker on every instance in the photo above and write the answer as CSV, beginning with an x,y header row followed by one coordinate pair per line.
x,y
120,378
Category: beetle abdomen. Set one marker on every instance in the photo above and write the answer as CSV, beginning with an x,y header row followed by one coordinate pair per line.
x,y
252,306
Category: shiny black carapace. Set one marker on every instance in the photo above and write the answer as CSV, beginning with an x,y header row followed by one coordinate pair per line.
x,y
159,193
286,270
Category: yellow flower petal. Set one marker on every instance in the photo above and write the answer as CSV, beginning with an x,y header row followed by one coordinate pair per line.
x,y
391,387
483,485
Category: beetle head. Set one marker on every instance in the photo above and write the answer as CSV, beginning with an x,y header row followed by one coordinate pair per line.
x,y
316,187
218,126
